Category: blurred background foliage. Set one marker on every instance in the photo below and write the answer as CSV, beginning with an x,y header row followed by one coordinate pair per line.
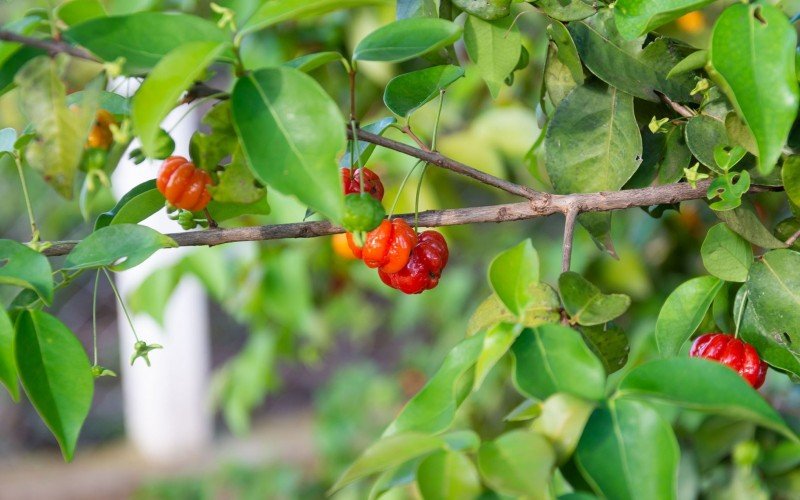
x,y
297,327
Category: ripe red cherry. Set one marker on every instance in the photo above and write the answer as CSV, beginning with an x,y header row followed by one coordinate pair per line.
x,y
732,352
424,267
351,179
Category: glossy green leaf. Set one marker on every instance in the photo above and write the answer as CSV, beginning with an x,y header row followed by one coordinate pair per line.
x,y
562,421
448,475
543,307
637,17
772,349
208,150
434,407
118,247
494,46
273,111
111,102
406,39
609,343
694,61
56,375
496,344
625,65
142,39
764,90
567,10
78,11
162,88
774,285
310,62
236,183
683,311
554,358
26,268
511,274
729,188
745,222
364,149
703,385
407,92
628,451
278,11
790,173
586,304
8,366
488,10
726,255
61,132
387,453
10,67
135,206
518,463
703,134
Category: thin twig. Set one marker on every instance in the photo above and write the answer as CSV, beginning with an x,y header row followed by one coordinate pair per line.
x,y
52,47
584,202
677,107
793,238
569,231
407,130
450,164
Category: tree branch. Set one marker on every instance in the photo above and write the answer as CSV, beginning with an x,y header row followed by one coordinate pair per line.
x,y
569,231
677,107
52,47
586,202
439,160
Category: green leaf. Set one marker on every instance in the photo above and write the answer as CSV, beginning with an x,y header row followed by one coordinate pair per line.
x,y
209,149
56,375
111,102
448,475
310,62
726,255
387,453
786,229
494,47
683,311
609,343
628,451
27,268
406,39
278,11
763,90
774,285
364,149
567,10
224,211
729,188
694,61
625,65
417,8
700,384
790,173
772,349
61,132
637,17
563,69
562,421
512,272
135,206
11,66
586,304
8,366
703,134
518,463
291,134
488,10
406,93
434,407
554,358
677,157
745,222
78,11
544,307
496,344
236,183
118,247
160,91
142,39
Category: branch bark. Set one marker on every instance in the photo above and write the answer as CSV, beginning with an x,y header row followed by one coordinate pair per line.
x,y
585,202
52,47
569,231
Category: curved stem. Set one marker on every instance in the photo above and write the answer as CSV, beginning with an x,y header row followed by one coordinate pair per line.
x,y
26,196
400,189
121,303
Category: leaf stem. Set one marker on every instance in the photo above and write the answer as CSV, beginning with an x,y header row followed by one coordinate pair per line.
x,y
26,196
94,316
121,303
740,314
400,190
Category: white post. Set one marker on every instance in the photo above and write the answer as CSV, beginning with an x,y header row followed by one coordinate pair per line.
x,y
167,410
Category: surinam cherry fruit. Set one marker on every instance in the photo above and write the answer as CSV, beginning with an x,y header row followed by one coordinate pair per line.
x,y
341,248
362,212
428,259
100,135
387,247
731,352
351,180
183,184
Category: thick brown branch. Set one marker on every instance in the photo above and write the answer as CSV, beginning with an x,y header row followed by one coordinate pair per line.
x,y
439,160
587,202
52,47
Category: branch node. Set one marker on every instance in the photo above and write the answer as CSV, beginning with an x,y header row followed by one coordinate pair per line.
x,y
570,215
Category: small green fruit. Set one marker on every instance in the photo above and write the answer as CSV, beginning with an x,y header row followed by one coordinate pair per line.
x,y
362,212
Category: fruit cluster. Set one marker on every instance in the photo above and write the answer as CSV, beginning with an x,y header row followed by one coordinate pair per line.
x,y
731,352
405,261
183,184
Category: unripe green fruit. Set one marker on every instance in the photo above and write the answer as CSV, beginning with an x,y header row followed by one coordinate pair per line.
x,y
362,212
94,158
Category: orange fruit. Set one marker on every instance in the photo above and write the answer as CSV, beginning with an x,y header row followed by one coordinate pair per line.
x,y
341,248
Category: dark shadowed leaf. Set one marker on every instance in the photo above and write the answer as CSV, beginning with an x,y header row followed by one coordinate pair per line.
x,y
8,366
